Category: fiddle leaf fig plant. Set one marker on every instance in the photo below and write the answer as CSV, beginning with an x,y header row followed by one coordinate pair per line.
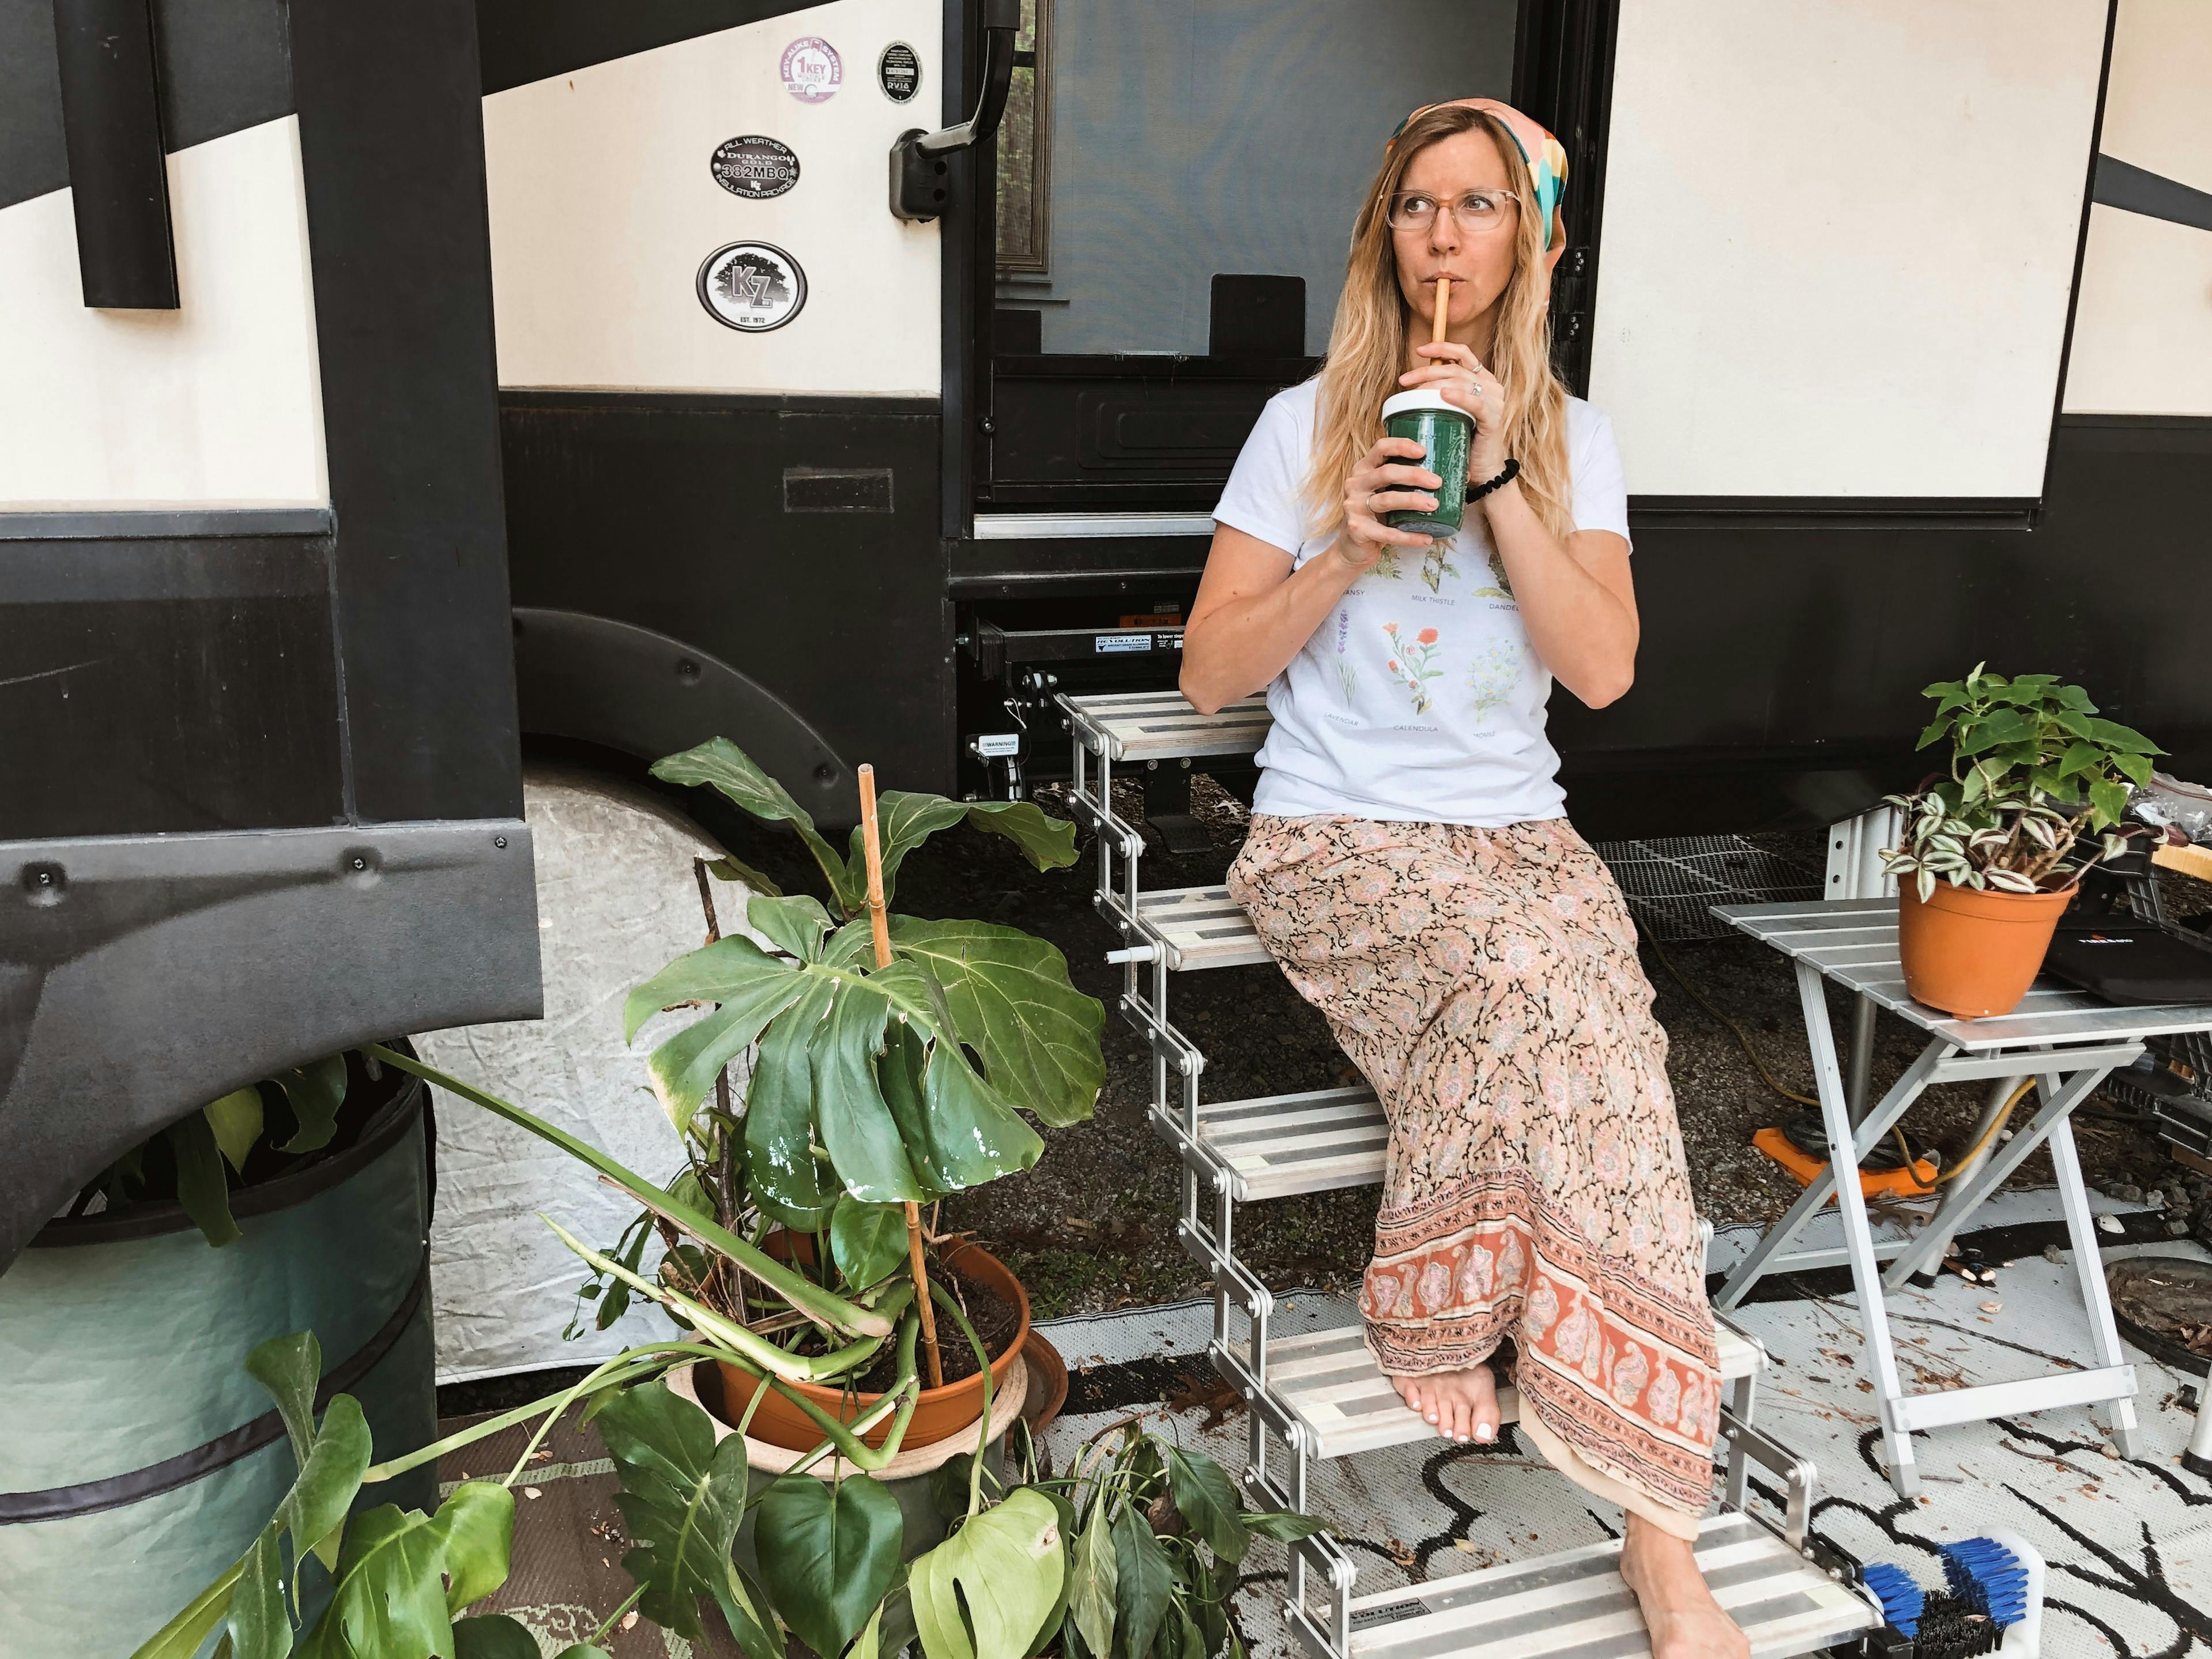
x,y
2036,784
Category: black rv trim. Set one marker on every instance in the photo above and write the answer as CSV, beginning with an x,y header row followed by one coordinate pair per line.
x,y
119,173
2132,189
391,137
526,40
2081,238
163,524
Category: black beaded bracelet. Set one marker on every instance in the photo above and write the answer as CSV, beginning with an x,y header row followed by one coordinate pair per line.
x,y
1506,476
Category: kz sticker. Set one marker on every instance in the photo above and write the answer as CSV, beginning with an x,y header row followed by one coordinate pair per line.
x,y
754,166
898,71
752,286
812,71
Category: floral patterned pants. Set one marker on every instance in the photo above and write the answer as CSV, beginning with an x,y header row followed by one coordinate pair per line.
x,y
1487,982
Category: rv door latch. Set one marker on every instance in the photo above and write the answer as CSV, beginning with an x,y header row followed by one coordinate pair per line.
x,y
921,175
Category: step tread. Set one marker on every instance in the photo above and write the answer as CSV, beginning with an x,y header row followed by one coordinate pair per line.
x,y
1163,726
1330,1382
1573,1605
1282,1144
1203,926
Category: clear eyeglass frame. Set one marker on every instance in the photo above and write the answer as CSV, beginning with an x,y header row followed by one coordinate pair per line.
x,y
1478,212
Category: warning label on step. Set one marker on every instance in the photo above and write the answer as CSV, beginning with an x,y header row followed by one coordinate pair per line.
x,y
1105,643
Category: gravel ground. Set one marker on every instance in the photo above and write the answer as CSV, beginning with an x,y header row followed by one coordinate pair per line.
x,y
1093,1226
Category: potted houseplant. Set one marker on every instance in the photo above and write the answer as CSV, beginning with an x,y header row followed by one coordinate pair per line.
x,y
863,1103
138,1460
1990,851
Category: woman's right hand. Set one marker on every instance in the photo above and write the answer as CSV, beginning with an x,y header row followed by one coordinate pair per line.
x,y
1384,481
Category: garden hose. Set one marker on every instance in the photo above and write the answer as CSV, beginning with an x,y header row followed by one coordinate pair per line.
x,y
1996,1128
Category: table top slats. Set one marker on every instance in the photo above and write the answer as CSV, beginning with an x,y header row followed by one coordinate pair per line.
x,y
1854,943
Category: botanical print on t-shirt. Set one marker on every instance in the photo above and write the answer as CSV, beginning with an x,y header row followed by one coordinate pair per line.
x,y
1414,662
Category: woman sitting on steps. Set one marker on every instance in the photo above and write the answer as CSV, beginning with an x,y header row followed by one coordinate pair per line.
x,y
1410,866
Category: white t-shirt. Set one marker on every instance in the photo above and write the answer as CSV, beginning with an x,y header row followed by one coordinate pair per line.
x,y
1421,697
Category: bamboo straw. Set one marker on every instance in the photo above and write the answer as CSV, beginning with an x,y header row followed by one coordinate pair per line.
x,y
1443,309
879,924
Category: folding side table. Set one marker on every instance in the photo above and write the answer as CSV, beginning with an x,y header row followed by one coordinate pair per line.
x,y
2064,1039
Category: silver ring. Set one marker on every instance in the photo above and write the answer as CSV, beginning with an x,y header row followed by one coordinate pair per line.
x,y
1371,495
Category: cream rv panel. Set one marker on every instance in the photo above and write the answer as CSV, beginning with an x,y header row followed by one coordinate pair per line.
x,y
2142,330
1838,242
215,403
604,207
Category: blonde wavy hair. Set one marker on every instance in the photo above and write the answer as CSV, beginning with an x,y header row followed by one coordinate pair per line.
x,y
1367,345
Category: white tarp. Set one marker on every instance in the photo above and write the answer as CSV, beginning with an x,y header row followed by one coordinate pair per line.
x,y
616,900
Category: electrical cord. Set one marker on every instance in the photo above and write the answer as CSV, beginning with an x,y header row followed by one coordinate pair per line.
x,y
1743,1042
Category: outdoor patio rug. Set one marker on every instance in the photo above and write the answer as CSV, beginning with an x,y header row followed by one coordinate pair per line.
x,y
2130,1543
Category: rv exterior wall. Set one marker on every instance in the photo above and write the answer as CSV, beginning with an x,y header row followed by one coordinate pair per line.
x,y
214,405
603,208
1839,238
2143,330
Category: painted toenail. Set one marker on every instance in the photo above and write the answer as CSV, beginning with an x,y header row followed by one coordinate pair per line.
x,y
1485,1432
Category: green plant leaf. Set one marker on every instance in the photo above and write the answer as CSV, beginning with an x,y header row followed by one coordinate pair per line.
x,y
726,868
1091,1577
1935,731
257,1625
2135,767
958,1130
315,1511
828,1554
985,1592
683,1496
496,1635
315,1091
392,1593
721,765
868,1241
1011,1001
2108,801
202,1187
780,1167
796,924
904,820
2125,739
235,1122
291,1367
1190,1641
862,1138
1284,1526
1143,1578
183,1635
752,988
476,1525
1207,1498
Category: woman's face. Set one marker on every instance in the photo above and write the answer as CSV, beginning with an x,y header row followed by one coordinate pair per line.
x,y
1478,263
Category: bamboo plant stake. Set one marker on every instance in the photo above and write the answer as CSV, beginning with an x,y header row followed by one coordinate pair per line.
x,y
879,926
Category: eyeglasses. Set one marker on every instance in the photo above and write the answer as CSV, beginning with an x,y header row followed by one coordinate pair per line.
x,y
1478,213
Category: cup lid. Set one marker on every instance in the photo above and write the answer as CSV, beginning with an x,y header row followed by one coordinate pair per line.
x,y
1421,398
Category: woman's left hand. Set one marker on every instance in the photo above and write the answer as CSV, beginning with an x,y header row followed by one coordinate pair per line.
x,y
1453,371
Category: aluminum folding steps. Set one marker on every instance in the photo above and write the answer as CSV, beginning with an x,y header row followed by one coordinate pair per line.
x,y
1573,1605
1330,1383
1319,1394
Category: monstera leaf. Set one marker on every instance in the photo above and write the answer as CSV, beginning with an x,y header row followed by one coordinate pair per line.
x,y
865,1068
1011,1001
682,1495
828,1553
985,1592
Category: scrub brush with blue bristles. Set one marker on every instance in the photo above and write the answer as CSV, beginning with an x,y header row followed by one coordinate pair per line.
x,y
1900,1597
1988,1577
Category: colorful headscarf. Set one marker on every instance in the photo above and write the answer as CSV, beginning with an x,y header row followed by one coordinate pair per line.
x,y
1546,156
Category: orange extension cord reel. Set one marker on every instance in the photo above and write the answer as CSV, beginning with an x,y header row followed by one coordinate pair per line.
x,y
1917,1180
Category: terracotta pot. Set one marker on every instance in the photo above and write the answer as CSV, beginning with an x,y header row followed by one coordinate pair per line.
x,y
1974,953
939,1413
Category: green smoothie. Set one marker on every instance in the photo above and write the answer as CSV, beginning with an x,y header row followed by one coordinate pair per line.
x,y
1444,431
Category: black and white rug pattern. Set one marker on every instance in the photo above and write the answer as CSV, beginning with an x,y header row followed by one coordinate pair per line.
x,y
2129,1541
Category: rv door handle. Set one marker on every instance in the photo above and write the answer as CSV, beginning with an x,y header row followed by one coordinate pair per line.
x,y
921,178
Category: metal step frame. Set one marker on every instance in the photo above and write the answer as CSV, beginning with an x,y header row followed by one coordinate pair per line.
x,y
1321,1394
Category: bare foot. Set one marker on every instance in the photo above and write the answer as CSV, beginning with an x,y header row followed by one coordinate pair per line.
x,y
1461,1405
1678,1609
